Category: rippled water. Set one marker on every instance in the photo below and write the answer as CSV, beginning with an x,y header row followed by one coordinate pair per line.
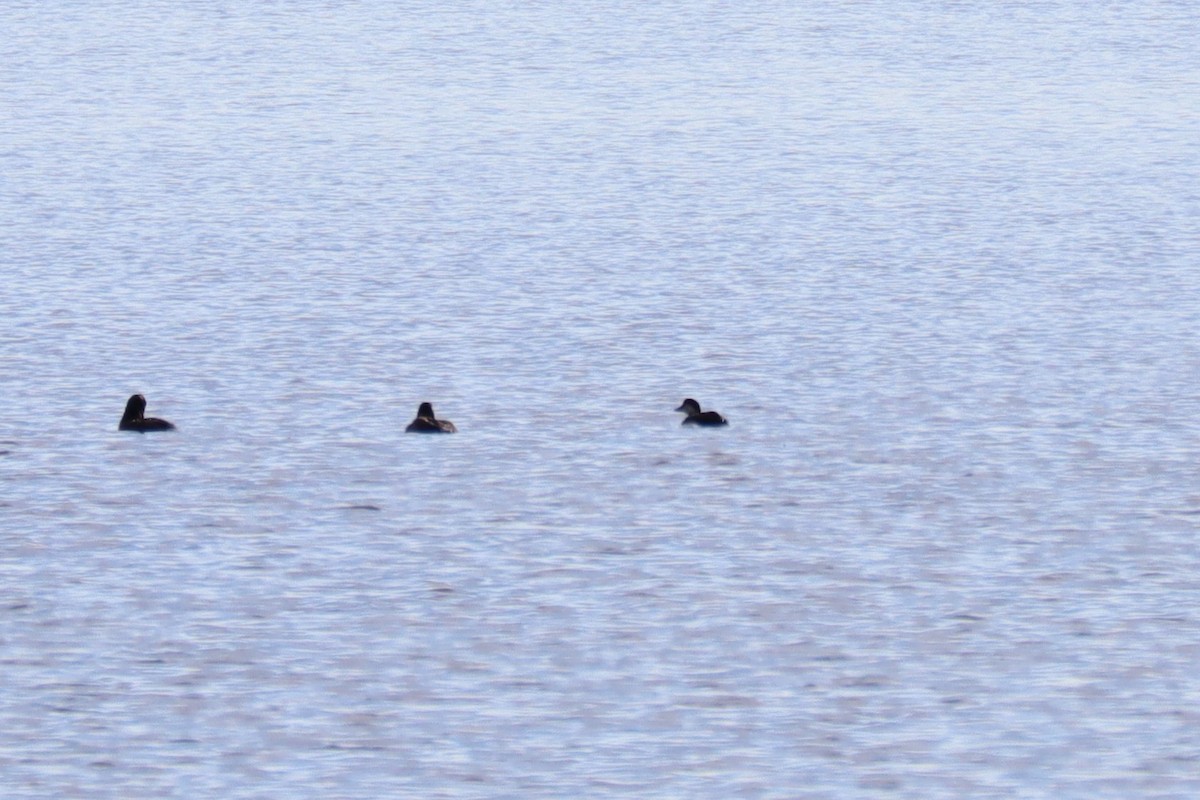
x,y
936,263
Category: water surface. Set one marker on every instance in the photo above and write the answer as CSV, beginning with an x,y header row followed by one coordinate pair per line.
x,y
936,263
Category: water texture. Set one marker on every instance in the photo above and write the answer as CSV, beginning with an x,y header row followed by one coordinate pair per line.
x,y
936,262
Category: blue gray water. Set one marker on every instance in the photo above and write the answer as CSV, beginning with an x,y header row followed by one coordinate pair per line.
x,y
936,262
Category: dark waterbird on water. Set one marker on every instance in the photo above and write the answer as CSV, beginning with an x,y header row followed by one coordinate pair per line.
x,y
426,422
135,418
697,417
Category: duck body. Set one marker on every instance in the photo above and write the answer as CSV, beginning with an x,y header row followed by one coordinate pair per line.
x,y
708,419
426,422
135,419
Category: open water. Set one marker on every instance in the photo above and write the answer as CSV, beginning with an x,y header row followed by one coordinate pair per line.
x,y
935,261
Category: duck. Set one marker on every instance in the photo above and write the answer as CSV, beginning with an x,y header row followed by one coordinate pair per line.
x,y
426,422
697,417
135,419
